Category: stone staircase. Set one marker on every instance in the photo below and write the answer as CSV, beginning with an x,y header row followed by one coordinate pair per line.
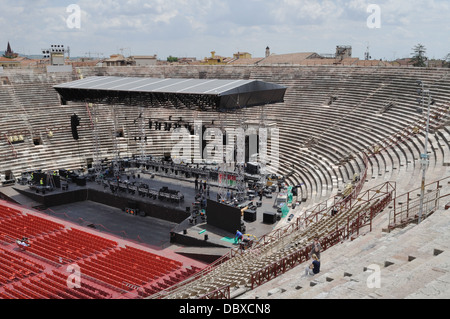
x,y
413,262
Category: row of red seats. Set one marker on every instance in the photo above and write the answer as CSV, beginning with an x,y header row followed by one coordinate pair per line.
x,y
50,286
87,289
151,262
48,255
28,290
93,238
149,271
119,272
104,277
15,294
45,223
27,226
145,254
11,232
100,270
10,272
5,296
70,245
14,211
6,277
15,267
60,285
46,289
96,243
147,267
52,290
29,220
22,259
6,212
169,281
53,250
67,242
35,222
142,257
129,276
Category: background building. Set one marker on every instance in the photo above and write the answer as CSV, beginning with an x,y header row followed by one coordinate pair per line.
x,y
144,60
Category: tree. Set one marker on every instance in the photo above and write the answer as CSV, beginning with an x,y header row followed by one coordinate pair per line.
x,y
419,57
172,59
447,61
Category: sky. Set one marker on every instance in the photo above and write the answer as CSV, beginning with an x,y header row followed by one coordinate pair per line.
x,y
194,28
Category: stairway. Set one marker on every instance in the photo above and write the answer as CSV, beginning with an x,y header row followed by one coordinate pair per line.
x,y
413,262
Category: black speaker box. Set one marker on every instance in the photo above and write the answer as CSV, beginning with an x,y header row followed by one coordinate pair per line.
x,y
269,218
81,181
250,215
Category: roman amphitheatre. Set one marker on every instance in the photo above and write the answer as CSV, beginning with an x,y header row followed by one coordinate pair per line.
x,y
351,146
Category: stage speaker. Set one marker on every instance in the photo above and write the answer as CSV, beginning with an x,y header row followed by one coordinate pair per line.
x,y
132,204
269,218
202,138
75,122
167,156
252,168
80,181
250,215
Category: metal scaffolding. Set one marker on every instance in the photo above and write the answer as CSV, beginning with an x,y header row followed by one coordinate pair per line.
x,y
97,164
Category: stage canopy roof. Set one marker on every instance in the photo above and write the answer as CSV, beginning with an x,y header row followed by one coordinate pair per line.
x,y
205,95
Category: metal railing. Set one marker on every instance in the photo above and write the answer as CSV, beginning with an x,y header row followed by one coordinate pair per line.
x,y
380,196
406,207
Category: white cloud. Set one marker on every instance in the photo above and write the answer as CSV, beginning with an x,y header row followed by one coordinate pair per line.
x,y
307,11
195,27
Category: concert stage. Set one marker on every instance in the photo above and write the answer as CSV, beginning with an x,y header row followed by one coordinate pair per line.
x,y
158,222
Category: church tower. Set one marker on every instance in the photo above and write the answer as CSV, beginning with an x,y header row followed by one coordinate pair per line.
x,y
10,53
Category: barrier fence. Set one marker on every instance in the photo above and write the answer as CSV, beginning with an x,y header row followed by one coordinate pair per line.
x,y
406,206
381,196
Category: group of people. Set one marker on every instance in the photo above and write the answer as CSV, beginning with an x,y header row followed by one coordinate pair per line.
x,y
202,187
314,267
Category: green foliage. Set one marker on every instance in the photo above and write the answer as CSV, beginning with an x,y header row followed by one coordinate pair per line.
x,y
447,61
419,57
172,59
